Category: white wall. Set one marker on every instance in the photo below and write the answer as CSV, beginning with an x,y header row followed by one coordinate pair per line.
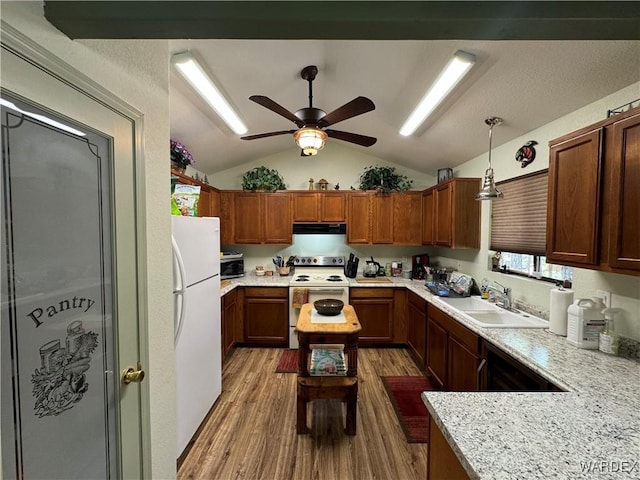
x,y
138,73
625,288
336,163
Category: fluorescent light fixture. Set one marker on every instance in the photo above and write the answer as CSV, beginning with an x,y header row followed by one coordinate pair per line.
x,y
42,118
193,73
457,67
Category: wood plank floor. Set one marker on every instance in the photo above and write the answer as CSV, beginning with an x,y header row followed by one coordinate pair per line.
x,y
251,432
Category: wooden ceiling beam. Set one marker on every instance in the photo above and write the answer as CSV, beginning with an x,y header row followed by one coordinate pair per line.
x,y
357,20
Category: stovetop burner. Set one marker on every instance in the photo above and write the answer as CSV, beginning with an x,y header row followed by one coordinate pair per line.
x,y
334,278
302,279
303,276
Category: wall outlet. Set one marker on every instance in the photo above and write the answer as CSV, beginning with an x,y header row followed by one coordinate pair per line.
x,y
605,296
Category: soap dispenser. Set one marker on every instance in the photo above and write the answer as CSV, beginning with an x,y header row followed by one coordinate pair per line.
x,y
608,337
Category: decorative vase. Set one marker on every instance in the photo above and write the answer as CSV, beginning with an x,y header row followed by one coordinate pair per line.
x,y
176,167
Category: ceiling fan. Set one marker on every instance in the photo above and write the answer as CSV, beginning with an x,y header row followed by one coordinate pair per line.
x,y
312,122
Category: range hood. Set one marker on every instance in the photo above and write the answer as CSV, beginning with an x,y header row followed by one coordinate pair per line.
x,y
319,228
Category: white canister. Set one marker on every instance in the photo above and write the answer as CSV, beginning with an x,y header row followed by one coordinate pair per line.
x,y
585,322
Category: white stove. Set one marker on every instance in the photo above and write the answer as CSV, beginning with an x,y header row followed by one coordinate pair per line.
x,y
315,278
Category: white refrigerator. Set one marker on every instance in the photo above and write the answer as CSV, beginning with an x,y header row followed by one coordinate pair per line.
x,y
196,303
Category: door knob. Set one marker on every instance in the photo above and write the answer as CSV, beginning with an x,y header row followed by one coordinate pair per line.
x,y
130,375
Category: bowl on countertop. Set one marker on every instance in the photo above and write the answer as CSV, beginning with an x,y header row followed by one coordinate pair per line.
x,y
328,306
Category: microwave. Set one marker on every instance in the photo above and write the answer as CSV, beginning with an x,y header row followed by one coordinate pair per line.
x,y
231,265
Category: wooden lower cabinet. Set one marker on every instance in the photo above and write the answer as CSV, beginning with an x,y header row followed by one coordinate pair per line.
x,y
228,322
417,328
375,310
442,463
453,353
437,353
266,316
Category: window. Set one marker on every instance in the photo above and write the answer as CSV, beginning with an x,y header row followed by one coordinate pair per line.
x,y
519,225
535,266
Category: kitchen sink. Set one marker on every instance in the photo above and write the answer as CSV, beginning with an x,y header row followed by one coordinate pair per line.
x,y
505,319
469,303
489,315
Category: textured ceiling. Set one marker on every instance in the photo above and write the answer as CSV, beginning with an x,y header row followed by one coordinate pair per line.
x,y
528,83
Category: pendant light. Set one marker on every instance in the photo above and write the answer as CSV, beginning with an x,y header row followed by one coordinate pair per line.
x,y
489,190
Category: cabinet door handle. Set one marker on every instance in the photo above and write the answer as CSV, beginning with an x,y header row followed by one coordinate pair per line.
x,y
479,370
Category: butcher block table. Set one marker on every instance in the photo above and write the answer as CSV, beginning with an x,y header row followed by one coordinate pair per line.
x,y
315,329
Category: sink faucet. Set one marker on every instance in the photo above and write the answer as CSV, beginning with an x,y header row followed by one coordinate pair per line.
x,y
505,294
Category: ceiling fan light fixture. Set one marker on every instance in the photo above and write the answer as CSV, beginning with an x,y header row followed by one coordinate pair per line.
x,y
195,75
455,70
489,190
310,140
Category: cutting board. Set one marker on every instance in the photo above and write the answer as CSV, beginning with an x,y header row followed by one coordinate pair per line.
x,y
224,283
373,280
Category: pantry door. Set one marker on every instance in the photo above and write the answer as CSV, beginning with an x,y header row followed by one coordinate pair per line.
x,y
70,303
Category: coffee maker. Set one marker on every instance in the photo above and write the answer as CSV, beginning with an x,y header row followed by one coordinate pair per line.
x,y
418,263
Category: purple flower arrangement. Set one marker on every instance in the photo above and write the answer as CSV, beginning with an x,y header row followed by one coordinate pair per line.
x,y
180,155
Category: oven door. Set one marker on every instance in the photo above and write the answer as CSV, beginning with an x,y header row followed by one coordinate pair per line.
x,y
315,293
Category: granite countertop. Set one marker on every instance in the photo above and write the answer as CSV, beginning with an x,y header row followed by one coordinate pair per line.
x,y
590,431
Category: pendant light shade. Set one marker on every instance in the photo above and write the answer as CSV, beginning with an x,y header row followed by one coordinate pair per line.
x,y
489,190
310,140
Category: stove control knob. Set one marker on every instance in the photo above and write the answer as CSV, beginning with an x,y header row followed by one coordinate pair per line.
x,y
334,260
315,260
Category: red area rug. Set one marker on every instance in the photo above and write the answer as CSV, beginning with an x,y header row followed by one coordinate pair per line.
x,y
288,362
404,393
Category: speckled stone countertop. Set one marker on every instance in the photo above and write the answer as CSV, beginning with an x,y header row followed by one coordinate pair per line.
x,y
590,431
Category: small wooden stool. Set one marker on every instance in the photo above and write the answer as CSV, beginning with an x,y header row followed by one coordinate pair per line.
x,y
344,388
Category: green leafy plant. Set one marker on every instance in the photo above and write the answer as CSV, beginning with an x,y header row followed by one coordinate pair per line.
x,y
263,178
384,180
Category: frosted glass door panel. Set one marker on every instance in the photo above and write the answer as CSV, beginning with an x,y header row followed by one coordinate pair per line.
x,y
58,381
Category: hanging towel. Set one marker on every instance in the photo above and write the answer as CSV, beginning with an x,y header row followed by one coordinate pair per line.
x,y
300,297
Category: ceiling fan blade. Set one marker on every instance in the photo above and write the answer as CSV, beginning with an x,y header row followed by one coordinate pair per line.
x,y
352,137
266,102
268,134
355,107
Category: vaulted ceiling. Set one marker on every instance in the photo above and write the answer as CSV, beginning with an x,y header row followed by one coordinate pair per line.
x,y
535,62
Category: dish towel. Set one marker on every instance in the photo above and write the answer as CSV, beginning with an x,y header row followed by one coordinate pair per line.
x,y
300,297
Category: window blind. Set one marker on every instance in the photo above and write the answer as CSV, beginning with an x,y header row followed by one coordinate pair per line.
x,y
519,220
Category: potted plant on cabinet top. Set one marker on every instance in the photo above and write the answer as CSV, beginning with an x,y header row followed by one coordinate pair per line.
x,y
263,178
384,180
180,156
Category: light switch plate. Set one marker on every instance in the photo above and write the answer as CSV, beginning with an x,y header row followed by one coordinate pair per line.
x,y
605,296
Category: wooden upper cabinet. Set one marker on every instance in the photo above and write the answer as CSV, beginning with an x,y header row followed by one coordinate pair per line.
x,y
407,218
261,218
624,231
428,237
593,204
248,217
456,214
277,218
328,207
209,201
333,207
382,219
573,206
215,208
442,215
227,230
204,203
306,207
359,218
